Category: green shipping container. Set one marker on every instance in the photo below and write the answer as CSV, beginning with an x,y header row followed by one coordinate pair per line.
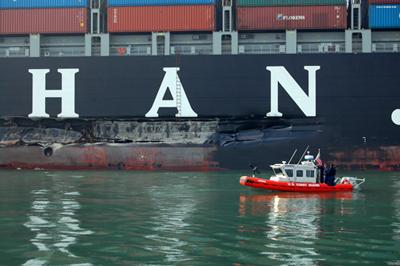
x,y
247,3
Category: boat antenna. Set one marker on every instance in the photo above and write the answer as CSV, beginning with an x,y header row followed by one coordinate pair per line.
x,y
292,156
303,154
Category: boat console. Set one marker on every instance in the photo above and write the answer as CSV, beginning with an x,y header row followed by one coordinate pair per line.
x,y
305,172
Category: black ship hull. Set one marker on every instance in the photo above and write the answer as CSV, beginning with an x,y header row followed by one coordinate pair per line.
x,y
199,112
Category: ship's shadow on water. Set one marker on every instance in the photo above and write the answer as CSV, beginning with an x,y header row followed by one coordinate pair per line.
x,y
192,218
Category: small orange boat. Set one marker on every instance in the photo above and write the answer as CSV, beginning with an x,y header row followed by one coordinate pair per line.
x,y
292,186
300,177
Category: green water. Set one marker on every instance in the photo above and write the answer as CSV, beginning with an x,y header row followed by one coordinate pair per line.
x,y
192,218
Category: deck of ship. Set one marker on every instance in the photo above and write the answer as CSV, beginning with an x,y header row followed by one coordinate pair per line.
x,y
204,43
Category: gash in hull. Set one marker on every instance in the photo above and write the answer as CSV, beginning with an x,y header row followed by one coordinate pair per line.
x,y
207,113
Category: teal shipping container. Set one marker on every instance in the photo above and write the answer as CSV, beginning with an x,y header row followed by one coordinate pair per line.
x,y
248,3
13,4
112,3
384,16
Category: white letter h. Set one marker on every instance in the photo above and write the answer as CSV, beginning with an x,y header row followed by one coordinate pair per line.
x,y
67,92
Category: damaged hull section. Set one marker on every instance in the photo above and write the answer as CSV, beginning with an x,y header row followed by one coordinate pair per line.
x,y
186,146
109,156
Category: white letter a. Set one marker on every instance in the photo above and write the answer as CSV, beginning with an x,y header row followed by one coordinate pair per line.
x,y
179,100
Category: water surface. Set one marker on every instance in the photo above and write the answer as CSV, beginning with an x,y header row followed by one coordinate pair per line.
x,y
192,218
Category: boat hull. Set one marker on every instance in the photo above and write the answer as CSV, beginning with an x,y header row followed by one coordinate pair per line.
x,y
291,186
352,113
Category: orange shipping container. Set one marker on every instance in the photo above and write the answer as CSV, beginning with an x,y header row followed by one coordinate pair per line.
x,y
291,17
46,20
161,18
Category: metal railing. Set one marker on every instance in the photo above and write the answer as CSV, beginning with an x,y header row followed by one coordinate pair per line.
x,y
260,49
315,48
145,50
130,50
14,52
62,51
192,50
385,47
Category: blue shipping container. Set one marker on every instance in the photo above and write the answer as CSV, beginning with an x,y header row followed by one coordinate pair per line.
x,y
158,2
11,4
384,16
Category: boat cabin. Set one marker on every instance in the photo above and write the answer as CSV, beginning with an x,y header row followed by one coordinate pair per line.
x,y
304,172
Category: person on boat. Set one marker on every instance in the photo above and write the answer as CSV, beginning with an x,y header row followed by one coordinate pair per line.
x,y
326,173
321,172
332,174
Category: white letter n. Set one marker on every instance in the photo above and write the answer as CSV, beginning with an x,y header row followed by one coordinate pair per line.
x,y
67,92
307,104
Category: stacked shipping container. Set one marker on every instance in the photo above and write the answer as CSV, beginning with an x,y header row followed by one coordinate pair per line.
x,y
384,14
160,15
42,3
43,16
290,14
158,2
70,16
243,3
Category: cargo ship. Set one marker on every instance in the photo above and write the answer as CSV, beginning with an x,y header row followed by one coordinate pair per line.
x,y
198,84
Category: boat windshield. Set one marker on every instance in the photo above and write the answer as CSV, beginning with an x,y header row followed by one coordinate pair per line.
x,y
278,171
289,172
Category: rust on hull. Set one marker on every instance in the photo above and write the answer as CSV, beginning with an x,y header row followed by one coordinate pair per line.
x,y
131,156
383,158
117,156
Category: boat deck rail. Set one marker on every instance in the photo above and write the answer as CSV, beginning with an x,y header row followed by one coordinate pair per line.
x,y
359,181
